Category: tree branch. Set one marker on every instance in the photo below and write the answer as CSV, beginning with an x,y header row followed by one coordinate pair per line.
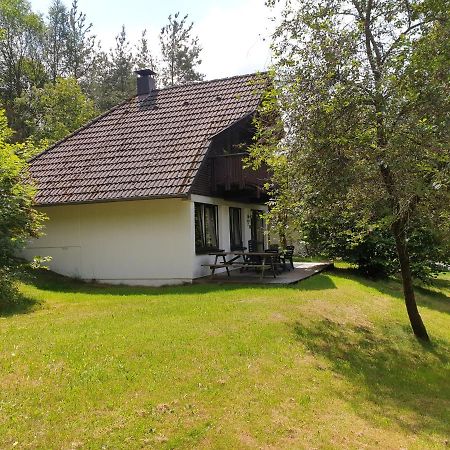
x,y
401,35
370,43
375,47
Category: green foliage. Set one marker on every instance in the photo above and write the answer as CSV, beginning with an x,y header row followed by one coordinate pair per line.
x,y
363,91
373,249
144,57
21,54
18,219
80,45
37,49
119,78
56,38
268,148
54,111
113,78
430,252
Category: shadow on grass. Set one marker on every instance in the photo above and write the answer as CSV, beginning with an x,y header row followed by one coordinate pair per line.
x,y
20,305
47,280
425,296
393,382
316,282
442,283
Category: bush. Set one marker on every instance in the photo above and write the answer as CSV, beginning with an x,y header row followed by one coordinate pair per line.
x,y
374,252
18,219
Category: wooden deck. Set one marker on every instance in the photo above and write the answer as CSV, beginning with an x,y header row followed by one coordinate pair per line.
x,y
301,271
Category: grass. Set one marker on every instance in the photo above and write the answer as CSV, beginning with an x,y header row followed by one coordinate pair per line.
x,y
329,363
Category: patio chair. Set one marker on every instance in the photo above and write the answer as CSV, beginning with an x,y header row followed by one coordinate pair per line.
x,y
288,255
277,261
252,259
252,246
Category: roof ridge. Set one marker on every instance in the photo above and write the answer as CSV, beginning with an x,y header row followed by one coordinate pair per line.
x,y
196,83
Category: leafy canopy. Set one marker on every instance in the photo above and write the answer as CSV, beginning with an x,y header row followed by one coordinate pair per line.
x,y
367,142
55,110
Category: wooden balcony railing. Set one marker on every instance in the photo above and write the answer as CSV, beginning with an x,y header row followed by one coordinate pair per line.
x,y
228,173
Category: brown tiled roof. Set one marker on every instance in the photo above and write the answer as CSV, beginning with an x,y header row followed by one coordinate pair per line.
x,y
144,148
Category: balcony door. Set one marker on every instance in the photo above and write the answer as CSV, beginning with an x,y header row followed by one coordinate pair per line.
x,y
257,229
235,229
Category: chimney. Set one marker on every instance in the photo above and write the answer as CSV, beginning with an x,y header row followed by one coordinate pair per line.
x,y
145,81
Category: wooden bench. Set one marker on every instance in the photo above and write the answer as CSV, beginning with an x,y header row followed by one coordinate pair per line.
x,y
220,265
226,265
263,267
217,266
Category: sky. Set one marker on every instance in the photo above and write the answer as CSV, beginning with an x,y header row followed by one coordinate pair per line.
x,y
234,34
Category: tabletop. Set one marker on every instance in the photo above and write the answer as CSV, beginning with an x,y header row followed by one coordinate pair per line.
x,y
241,253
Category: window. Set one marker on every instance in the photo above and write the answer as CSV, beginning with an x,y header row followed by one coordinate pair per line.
x,y
235,229
205,228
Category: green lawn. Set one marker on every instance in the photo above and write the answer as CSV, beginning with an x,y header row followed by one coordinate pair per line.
x,y
329,363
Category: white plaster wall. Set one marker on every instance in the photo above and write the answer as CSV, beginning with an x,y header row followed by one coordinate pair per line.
x,y
146,242
223,229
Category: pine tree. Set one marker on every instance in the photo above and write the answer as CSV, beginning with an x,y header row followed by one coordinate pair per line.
x,y
144,58
80,45
180,52
56,39
114,74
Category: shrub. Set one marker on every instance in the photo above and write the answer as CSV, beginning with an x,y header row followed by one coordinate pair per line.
x,y
374,252
18,219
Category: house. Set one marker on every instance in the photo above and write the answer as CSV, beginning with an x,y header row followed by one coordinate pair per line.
x,y
141,194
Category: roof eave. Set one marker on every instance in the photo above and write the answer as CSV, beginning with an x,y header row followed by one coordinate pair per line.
x,y
113,200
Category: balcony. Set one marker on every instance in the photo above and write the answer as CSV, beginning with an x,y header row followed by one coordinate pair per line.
x,y
231,179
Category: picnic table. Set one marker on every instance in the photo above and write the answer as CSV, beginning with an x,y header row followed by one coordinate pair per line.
x,y
243,260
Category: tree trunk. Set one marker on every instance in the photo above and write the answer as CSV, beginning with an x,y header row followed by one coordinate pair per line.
x,y
282,238
417,325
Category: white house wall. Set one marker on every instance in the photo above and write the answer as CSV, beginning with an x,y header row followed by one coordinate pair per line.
x,y
223,228
145,242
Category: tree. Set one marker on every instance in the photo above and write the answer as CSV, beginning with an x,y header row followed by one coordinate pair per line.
x,y
144,58
122,63
180,52
54,111
363,89
18,219
114,79
333,234
80,45
21,54
56,39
